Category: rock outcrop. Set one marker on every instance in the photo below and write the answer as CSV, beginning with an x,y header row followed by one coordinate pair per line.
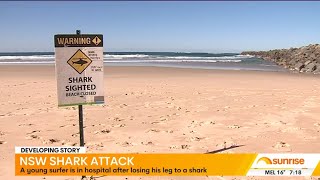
x,y
304,59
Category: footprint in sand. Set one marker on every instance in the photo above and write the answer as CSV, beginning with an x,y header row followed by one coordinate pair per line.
x,y
94,146
50,141
118,119
3,142
33,136
104,131
153,130
125,144
281,122
8,114
174,147
147,143
26,124
36,131
169,131
197,138
69,144
2,133
282,146
54,140
291,129
183,146
119,125
155,122
71,108
123,105
66,125
226,144
75,134
196,123
163,118
178,108
234,126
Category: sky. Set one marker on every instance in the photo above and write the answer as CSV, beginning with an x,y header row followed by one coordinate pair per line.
x,y
162,26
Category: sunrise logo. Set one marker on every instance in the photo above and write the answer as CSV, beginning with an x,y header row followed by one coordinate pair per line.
x,y
292,161
265,160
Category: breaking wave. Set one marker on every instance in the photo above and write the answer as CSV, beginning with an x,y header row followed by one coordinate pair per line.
x,y
25,58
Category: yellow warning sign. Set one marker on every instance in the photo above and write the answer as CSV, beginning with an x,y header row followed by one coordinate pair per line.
x,y
79,61
96,40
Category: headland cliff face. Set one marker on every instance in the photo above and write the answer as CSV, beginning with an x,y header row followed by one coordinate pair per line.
x,y
303,59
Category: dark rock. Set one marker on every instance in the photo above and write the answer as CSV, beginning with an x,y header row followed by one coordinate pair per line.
x,y
307,62
299,66
317,71
311,67
292,62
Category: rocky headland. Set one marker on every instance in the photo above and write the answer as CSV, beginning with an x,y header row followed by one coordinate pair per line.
x,y
303,59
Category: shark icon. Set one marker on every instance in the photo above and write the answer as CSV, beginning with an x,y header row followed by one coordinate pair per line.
x,y
80,61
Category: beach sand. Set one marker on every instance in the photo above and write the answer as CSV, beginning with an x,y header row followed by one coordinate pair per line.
x,y
163,110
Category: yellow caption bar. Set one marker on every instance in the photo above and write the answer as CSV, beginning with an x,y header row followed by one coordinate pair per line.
x,y
133,164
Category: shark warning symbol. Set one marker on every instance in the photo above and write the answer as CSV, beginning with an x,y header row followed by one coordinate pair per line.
x,y
79,61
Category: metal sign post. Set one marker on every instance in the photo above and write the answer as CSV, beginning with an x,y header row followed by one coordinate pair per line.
x,y
81,120
81,126
80,115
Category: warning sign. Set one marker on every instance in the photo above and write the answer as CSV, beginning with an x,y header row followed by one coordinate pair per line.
x,y
79,69
79,61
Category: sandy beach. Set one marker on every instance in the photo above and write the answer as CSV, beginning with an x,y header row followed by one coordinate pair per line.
x,y
163,110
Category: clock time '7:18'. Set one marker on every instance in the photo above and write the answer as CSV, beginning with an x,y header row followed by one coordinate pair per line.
x,y
295,172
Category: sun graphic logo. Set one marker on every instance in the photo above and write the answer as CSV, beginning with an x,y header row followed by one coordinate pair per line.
x,y
264,160
281,161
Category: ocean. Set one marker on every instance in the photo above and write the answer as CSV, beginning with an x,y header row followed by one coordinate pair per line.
x,y
230,61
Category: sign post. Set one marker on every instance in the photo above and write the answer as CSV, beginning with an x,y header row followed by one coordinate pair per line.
x,y
80,116
81,126
79,71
